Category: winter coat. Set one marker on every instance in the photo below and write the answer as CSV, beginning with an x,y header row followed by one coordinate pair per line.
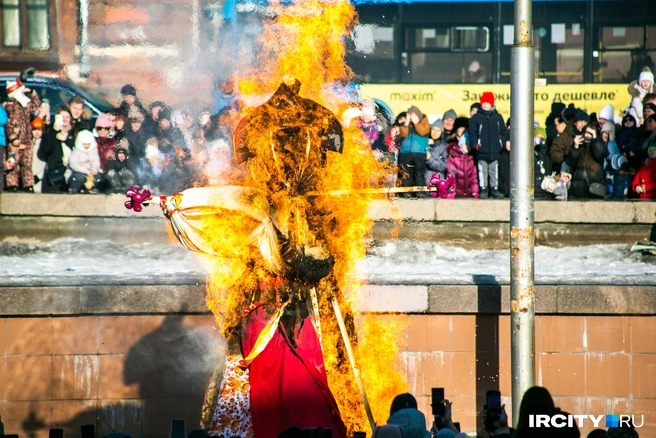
x,y
137,142
412,422
415,137
647,176
437,161
462,166
583,178
50,149
106,150
84,161
19,123
543,165
117,165
487,134
561,145
3,122
638,93
628,140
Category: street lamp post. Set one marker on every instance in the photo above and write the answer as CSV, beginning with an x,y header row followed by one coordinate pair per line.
x,y
522,237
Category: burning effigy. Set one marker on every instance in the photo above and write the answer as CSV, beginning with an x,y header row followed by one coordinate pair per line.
x,y
282,251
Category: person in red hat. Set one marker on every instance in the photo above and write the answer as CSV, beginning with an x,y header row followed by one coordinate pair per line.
x,y
18,154
487,136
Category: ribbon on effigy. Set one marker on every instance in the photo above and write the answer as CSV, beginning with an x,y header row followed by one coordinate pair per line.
x,y
264,337
190,211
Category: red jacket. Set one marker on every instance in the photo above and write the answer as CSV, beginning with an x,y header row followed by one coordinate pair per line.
x,y
462,166
647,176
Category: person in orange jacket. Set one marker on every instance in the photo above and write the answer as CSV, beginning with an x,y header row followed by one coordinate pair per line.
x,y
644,182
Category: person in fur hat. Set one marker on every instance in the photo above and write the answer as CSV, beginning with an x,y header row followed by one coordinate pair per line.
x,y
18,153
84,163
639,89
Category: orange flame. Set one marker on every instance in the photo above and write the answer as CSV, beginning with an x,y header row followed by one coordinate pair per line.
x,y
305,42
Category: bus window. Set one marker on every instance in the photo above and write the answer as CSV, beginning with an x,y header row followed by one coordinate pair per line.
x,y
371,53
458,54
623,55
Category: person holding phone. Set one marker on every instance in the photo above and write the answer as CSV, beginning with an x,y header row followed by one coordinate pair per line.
x,y
18,130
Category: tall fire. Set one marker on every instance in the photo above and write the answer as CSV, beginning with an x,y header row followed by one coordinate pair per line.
x,y
282,250
305,41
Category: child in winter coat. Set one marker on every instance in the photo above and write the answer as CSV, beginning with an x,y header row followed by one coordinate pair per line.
x,y
84,163
487,135
436,156
119,171
644,182
461,165
639,89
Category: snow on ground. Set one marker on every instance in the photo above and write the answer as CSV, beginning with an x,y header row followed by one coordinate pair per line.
x,y
395,262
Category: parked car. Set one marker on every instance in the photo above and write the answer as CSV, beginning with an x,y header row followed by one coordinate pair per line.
x,y
58,92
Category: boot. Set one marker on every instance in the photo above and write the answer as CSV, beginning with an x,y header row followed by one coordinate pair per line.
x,y
484,193
496,194
29,189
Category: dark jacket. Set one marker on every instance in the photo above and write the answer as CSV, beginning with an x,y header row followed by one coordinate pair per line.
x,y
628,141
543,165
415,137
487,134
582,178
50,151
437,161
561,145
462,166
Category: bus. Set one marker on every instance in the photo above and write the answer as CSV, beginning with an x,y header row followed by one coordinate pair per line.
x,y
441,54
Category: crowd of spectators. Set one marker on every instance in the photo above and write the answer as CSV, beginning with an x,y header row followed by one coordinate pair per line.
x,y
67,151
577,155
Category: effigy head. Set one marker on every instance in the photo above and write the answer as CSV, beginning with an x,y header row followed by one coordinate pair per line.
x,y
286,140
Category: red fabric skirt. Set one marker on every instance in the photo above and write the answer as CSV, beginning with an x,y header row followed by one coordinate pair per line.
x,y
288,385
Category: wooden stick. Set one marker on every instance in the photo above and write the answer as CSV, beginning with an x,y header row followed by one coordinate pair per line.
x,y
381,190
356,372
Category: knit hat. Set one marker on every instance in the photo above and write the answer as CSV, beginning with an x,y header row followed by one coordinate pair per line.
x,y
582,115
618,160
103,121
450,114
85,137
650,105
627,118
607,112
646,75
412,110
438,124
651,146
488,97
128,90
610,128
403,401
37,123
475,105
540,131
165,114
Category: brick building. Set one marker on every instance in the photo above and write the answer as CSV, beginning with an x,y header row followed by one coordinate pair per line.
x,y
168,49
